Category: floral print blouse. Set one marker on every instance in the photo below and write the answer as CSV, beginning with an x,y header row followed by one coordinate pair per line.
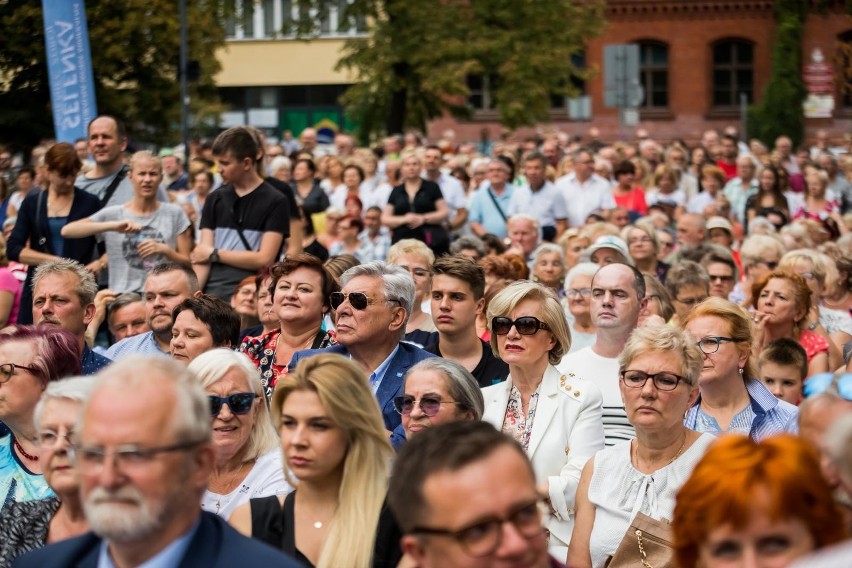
x,y
515,423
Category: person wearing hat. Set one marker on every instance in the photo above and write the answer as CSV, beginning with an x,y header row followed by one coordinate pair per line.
x,y
608,249
720,231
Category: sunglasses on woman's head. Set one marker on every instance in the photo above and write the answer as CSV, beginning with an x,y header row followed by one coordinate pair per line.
x,y
527,325
823,381
239,403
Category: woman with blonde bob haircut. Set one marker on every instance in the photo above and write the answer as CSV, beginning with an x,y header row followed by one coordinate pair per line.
x,y
544,410
745,494
248,464
337,455
659,371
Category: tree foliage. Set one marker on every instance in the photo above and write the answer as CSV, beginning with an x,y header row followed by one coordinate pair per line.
x,y
414,64
135,55
780,111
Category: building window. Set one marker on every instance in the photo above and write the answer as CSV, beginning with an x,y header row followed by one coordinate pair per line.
x,y
654,74
482,88
269,19
733,72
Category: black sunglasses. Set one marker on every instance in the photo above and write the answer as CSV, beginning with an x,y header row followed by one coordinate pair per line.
x,y
430,405
239,403
527,325
358,300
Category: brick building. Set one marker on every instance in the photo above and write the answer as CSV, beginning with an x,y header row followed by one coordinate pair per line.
x,y
696,58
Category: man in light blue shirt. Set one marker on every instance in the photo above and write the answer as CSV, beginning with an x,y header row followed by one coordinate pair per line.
x,y
489,206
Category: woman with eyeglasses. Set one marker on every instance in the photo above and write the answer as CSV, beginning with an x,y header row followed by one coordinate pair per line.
x,y
782,300
577,303
644,247
337,456
821,274
29,525
301,287
30,359
437,391
417,259
557,419
732,399
248,461
659,372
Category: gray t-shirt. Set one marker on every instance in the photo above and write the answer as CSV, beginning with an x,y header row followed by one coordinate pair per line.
x,y
128,270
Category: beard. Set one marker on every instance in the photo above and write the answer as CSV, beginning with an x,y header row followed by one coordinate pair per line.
x,y
134,519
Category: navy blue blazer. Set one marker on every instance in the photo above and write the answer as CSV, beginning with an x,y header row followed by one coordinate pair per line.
x,y
391,387
215,545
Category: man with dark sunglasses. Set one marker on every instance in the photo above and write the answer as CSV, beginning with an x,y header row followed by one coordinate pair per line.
x,y
370,314
465,496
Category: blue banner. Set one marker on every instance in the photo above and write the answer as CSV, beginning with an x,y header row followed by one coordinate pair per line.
x,y
69,66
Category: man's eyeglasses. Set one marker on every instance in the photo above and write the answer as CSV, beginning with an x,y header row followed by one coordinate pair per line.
x,y
527,325
358,300
484,537
574,292
711,343
430,405
823,381
721,278
8,369
239,403
663,381
92,458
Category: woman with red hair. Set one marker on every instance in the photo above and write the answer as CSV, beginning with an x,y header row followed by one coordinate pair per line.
x,y
764,501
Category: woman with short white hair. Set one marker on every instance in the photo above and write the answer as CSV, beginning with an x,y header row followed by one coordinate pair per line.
x,y
248,462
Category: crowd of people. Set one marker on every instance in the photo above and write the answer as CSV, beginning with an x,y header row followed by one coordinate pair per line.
x,y
543,352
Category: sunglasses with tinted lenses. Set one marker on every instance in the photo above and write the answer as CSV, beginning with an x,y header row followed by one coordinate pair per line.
x,y
822,382
527,325
430,405
239,403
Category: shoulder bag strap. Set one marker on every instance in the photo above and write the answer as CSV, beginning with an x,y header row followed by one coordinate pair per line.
x,y
497,205
110,190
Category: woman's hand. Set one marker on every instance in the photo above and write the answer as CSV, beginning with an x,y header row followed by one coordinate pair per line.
x,y
126,226
149,248
413,220
201,254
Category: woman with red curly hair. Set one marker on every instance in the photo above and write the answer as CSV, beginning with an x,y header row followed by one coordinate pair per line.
x,y
762,501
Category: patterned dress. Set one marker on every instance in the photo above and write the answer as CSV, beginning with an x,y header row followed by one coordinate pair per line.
x,y
24,527
261,351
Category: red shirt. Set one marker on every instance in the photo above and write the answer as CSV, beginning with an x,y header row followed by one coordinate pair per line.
x,y
729,169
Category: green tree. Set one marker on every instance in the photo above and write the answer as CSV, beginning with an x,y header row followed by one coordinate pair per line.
x,y
135,51
413,65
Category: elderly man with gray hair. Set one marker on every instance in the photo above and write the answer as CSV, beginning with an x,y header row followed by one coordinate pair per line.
x,y
370,314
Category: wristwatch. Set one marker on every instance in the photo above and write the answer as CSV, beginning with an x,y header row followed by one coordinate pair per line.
x,y
214,256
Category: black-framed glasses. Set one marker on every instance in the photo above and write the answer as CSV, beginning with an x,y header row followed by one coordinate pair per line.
x,y
821,382
8,369
239,403
127,457
526,325
637,379
711,343
358,300
721,277
484,537
582,292
430,405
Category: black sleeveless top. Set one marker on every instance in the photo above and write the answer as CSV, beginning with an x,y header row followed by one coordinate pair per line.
x,y
274,525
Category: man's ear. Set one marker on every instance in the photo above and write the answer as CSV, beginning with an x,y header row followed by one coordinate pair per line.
x,y
399,318
412,551
88,314
480,305
197,293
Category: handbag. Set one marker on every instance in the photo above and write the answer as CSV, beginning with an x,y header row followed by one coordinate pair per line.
x,y
647,543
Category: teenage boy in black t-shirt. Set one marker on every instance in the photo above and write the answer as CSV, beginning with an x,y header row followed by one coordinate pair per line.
x,y
458,289
244,223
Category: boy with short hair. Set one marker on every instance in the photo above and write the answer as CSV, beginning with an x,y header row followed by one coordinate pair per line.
x,y
244,224
783,367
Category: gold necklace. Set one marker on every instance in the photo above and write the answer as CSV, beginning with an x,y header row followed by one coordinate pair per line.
x,y
671,461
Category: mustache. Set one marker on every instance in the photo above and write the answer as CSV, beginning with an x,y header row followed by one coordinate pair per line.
x,y
49,319
99,494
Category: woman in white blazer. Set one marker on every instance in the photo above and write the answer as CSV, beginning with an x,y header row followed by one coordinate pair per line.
x,y
557,418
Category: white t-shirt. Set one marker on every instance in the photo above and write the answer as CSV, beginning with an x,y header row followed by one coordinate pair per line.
x,y
602,371
265,478
581,199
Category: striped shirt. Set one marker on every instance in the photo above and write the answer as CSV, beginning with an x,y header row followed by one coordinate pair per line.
x,y
766,416
603,371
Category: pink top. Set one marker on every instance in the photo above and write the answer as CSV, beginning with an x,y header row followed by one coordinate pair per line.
x,y
633,201
9,283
